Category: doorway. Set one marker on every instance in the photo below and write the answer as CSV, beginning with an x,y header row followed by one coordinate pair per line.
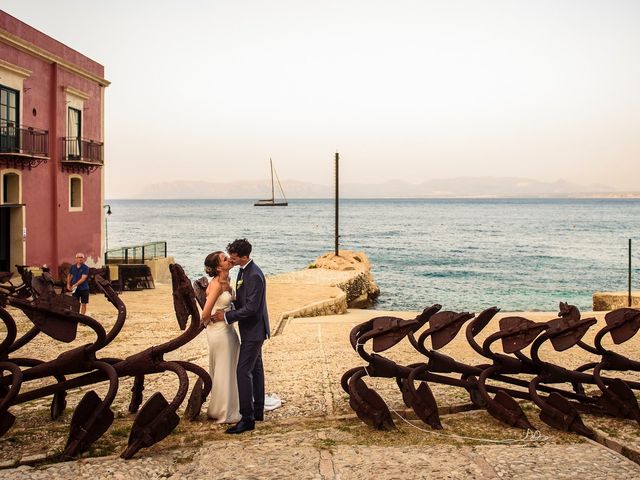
x,y
11,222
5,239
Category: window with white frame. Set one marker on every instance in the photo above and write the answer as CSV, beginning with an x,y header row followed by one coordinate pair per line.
x,y
75,193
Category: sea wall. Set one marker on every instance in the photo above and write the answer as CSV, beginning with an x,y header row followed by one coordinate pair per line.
x,y
360,288
611,300
331,306
330,285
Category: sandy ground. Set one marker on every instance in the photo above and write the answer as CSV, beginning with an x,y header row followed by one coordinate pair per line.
x,y
303,366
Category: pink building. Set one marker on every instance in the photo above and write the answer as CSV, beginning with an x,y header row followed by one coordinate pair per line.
x,y
51,150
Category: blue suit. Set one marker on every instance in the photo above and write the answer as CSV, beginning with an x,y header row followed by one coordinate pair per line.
x,y
253,322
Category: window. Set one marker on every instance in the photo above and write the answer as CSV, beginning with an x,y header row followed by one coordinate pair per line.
x,y
74,133
9,121
10,188
75,193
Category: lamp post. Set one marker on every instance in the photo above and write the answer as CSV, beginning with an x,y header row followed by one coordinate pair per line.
x,y
106,234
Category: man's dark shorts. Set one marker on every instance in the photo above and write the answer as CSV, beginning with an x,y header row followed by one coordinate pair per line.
x,y
82,295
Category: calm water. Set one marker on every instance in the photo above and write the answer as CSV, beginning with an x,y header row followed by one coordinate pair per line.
x,y
465,254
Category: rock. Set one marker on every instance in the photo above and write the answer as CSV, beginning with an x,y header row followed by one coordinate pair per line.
x,y
38,457
346,260
361,289
603,301
9,463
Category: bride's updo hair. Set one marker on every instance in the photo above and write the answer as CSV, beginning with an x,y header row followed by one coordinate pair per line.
x,y
211,263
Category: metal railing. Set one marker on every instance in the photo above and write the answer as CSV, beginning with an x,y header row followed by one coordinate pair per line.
x,y
24,140
75,149
136,254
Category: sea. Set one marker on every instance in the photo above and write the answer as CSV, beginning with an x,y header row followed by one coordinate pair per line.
x,y
465,254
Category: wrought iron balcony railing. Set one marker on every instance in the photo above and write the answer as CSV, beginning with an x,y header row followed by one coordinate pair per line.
x,y
23,140
79,150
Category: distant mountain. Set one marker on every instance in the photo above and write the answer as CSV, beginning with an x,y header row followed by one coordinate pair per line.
x,y
448,187
243,189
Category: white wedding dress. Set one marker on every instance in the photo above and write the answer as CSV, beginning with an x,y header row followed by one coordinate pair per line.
x,y
224,347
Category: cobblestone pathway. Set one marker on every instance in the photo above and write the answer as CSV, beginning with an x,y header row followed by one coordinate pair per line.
x,y
327,454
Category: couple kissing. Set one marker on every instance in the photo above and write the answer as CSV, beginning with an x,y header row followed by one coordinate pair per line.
x,y
235,364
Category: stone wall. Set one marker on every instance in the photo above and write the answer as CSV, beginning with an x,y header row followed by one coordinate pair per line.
x,y
360,290
160,269
603,301
332,306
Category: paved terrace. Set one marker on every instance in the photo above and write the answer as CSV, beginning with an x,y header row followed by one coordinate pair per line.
x,y
315,434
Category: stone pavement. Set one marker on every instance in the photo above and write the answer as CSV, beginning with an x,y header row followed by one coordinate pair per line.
x,y
316,455
314,434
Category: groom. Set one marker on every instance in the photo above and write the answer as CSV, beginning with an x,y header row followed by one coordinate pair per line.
x,y
253,321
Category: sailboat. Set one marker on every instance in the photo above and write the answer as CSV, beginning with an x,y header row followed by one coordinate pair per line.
x,y
271,202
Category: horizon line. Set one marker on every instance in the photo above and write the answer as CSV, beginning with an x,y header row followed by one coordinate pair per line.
x,y
575,196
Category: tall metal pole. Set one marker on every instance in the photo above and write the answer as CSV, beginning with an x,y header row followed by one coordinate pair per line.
x,y
106,232
337,196
629,283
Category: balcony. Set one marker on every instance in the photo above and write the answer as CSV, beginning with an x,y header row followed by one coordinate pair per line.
x,y
23,146
79,154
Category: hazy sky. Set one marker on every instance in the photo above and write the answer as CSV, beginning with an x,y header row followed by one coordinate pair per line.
x,y
413,90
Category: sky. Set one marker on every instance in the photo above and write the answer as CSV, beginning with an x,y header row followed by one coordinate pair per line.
x,y
403,90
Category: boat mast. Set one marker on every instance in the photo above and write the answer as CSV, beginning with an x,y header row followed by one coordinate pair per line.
x,y
280,186
273,197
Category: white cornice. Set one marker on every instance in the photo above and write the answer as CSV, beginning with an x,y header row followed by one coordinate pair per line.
x,y
77,93
23,72
38,52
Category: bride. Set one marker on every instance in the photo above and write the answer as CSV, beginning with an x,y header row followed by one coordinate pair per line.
x,y
223,341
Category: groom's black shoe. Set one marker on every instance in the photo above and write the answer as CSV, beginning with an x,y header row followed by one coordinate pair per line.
x,y
242,426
